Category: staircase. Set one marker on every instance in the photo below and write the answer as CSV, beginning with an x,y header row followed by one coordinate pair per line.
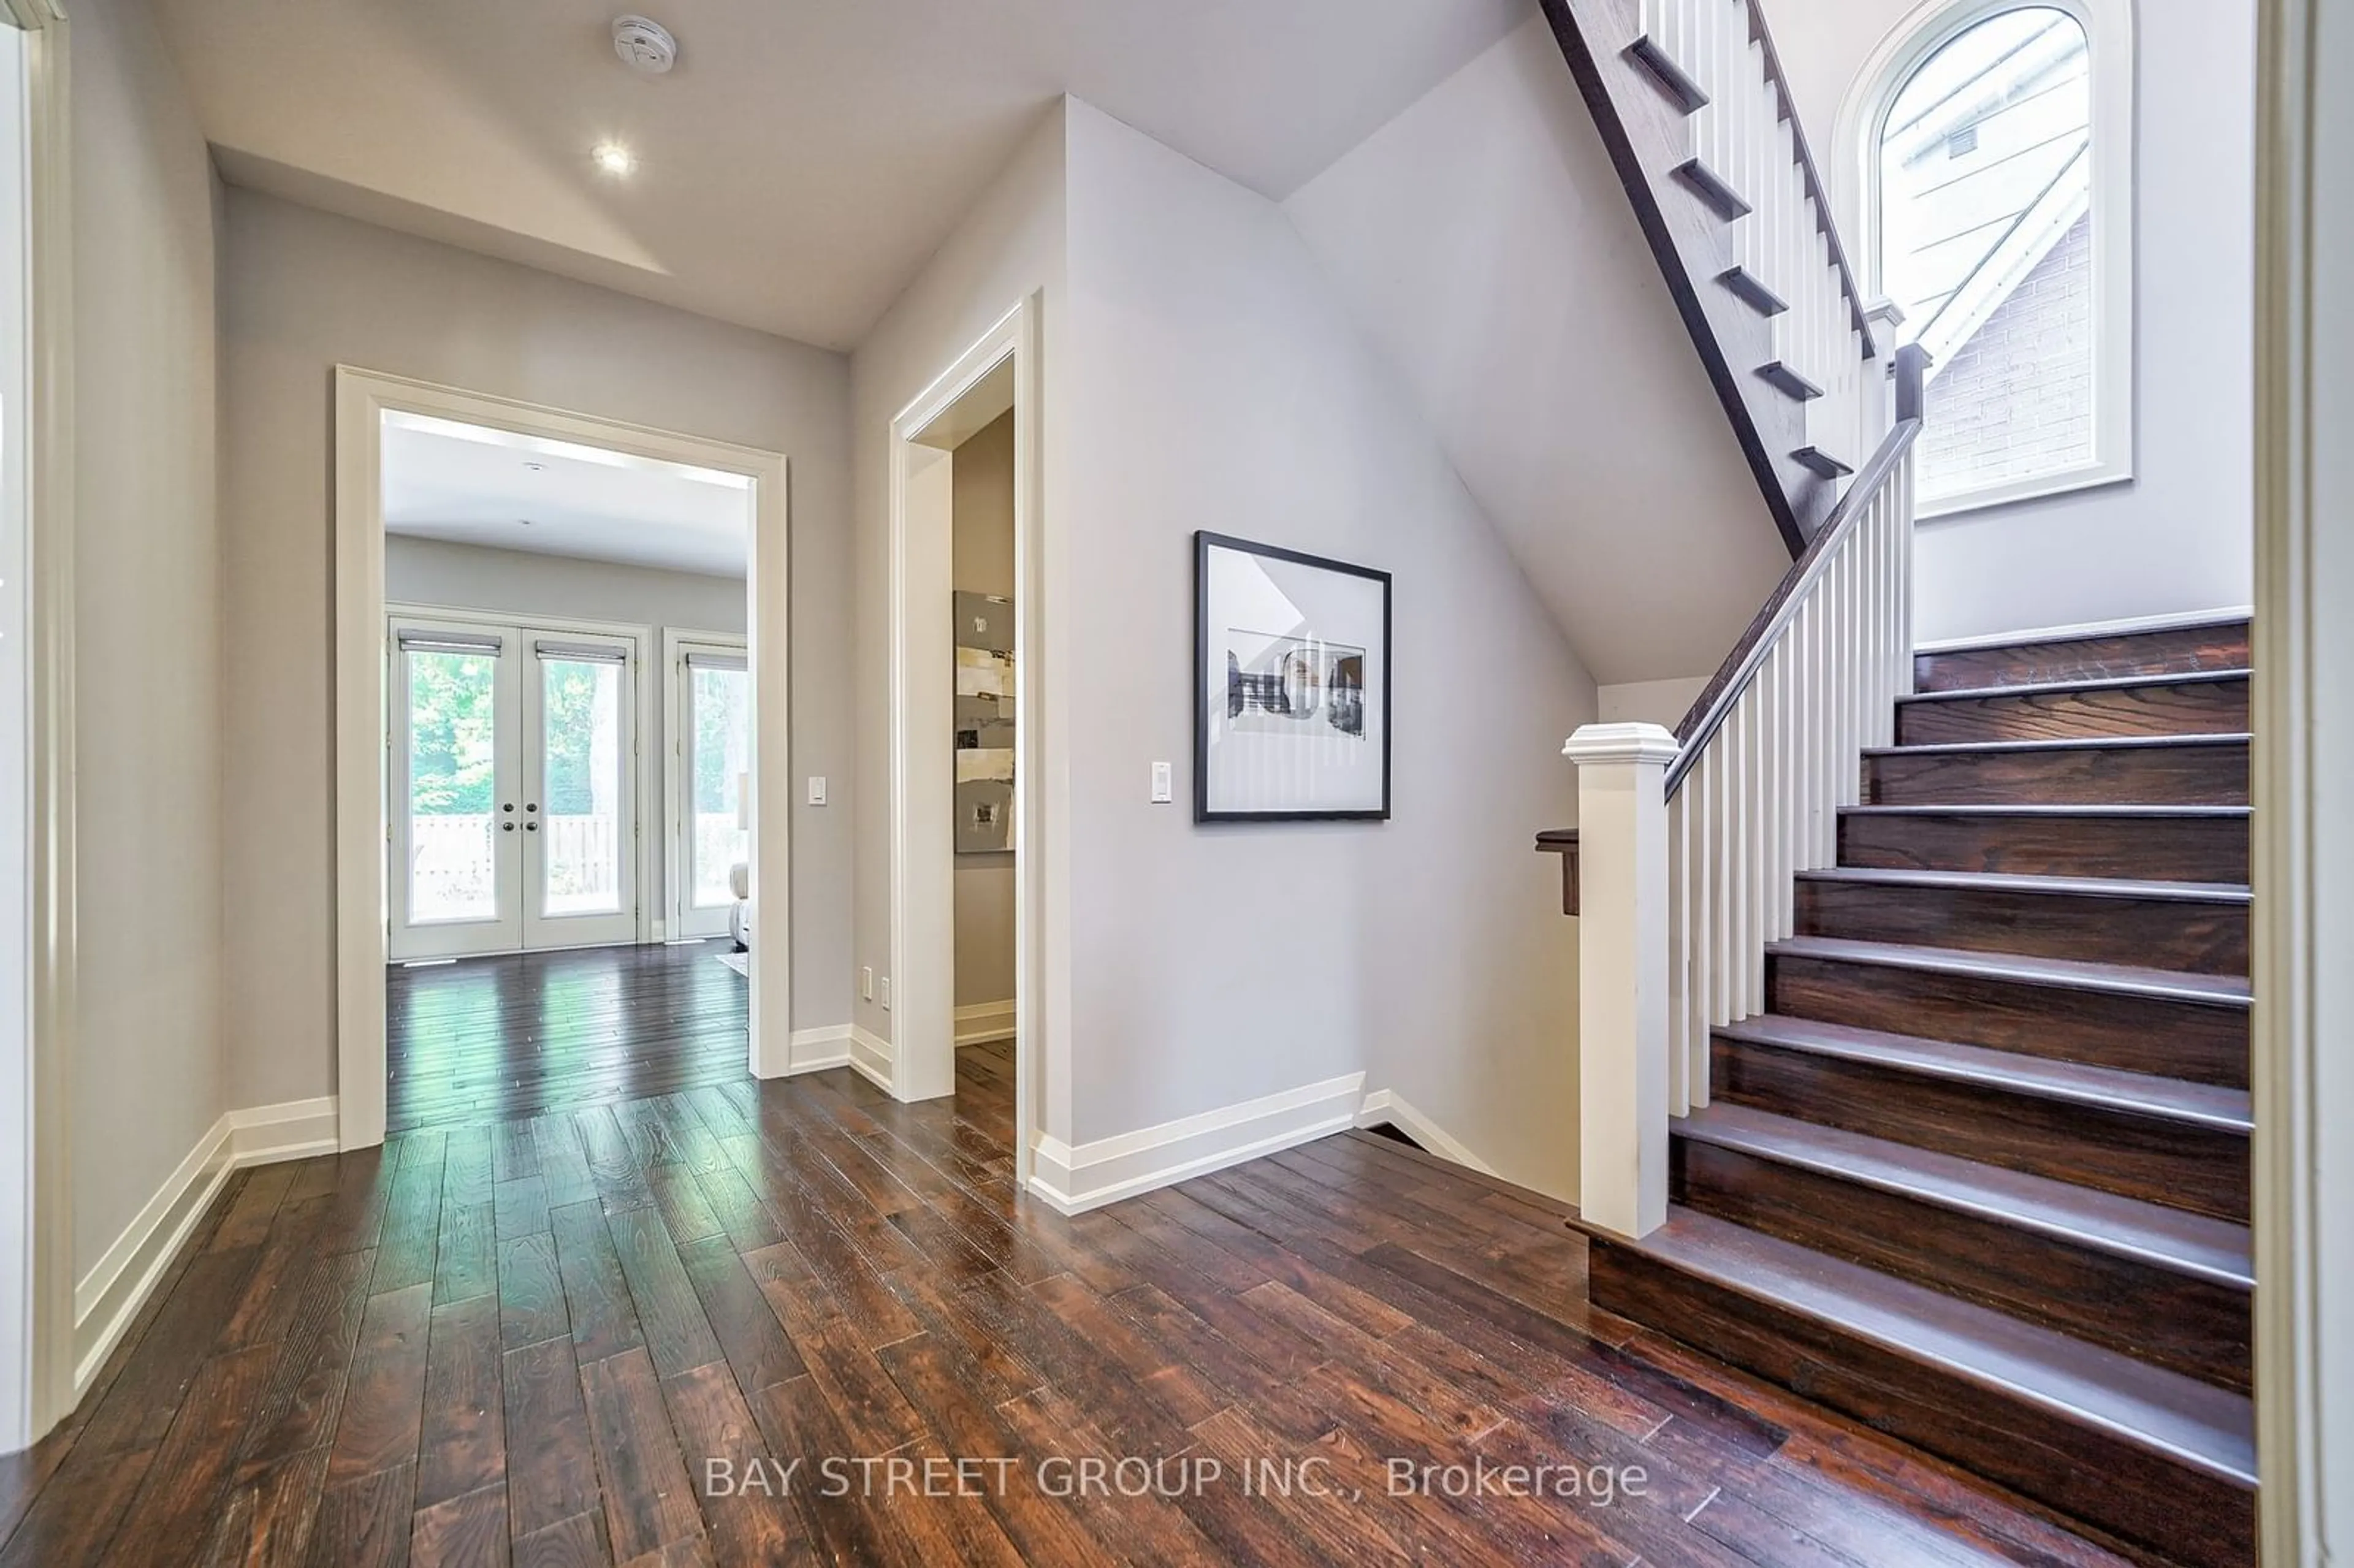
x,y
1976,1172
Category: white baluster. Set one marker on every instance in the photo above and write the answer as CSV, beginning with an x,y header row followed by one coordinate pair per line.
x,y
1679,953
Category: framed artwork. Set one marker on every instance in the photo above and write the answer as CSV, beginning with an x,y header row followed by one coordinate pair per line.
x,y
1291,685
984,723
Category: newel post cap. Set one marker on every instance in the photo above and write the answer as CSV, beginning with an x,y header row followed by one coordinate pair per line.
x,y
1620,742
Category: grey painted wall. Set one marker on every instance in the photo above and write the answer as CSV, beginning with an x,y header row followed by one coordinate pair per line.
x,y
473,576
1222,385
147,1071
981,503
304,291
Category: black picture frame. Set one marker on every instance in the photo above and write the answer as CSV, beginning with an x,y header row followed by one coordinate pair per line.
x,y
1205,541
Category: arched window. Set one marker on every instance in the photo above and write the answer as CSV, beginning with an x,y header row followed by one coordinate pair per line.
x,y
1993,147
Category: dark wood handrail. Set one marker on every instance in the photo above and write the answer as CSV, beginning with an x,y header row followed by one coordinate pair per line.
x,y
1826,223
1563,842
1716,700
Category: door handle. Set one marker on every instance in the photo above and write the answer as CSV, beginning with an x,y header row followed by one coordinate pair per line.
x,y
506,827
528,827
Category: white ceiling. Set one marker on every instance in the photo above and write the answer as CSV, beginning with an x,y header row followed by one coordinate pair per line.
x,y
805,156
469,486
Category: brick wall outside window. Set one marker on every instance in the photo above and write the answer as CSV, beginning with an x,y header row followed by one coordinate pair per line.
x,y
2017,400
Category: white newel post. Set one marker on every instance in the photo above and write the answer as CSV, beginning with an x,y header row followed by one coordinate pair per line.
x,y
1622,983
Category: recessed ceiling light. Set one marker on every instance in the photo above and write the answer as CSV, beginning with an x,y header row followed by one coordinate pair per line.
x,y
615,159
535,467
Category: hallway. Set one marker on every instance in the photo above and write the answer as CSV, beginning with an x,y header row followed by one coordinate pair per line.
x,y
521,1342
518,1034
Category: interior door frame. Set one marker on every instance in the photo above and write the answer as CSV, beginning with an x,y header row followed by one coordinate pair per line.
x,y
921,823
37,1384
677,837
362,398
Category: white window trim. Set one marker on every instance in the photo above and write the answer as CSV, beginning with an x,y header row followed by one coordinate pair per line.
x,y
2109,34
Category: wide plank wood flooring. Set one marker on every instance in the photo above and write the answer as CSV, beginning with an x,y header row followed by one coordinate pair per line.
x,y
520,1342
517,1034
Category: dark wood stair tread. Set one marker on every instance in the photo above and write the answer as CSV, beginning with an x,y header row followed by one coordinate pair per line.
x,y
2076,974
2060,743
2061,688
2109,1088
1820,464
2011,881
2174,1239
2197,1425
1667,75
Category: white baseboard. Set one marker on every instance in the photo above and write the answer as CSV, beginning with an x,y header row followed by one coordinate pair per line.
x,y
872,1054
1384,1106
2127,627
815,1049
294,1129
984,1021
109,1297
1109,1168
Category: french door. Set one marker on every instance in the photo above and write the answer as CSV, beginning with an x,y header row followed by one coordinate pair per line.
x,y
711,705
510,770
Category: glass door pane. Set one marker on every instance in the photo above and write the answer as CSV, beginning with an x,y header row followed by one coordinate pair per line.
x,y
452,776
720,719
581,805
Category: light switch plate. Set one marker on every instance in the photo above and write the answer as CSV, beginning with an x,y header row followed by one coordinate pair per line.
x,y
817,789
866,982
886,994
1164,784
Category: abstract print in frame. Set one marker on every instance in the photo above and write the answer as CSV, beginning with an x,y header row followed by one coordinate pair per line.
x,y
984,723
1291,685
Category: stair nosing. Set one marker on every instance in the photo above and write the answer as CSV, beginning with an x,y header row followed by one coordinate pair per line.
x,y
2094,683
2067,974
2064,743
2059,636
2064,809
1667,74
2007,1072
1942,1189
2125,1415
2226,893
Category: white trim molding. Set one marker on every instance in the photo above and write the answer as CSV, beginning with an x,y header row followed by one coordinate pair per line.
x,y
1386,1105
1074,1179
1926,28
874,1057
1002,368
979,1022
362,398
44,1268
107,1298
2302,866
815,1050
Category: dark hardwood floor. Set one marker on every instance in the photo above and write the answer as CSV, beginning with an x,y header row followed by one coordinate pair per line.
x,y
519,1341
518,1034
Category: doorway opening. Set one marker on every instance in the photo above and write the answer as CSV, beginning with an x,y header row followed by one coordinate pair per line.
x,y
564,802
970,951
550,869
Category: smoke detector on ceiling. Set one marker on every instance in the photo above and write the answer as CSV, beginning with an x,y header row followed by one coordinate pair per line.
x,y
644,45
